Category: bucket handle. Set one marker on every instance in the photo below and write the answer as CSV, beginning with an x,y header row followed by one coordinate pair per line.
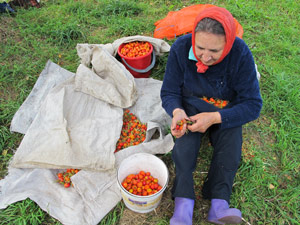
x,y
142,70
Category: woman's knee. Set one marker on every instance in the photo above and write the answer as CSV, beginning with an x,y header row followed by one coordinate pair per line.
x,y
185,152
227,148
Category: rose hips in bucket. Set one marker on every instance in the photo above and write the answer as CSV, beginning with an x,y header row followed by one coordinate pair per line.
x,y
142,184
138,57
155,174
135,49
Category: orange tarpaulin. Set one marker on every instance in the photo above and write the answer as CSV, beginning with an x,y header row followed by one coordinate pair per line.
x,y
181,22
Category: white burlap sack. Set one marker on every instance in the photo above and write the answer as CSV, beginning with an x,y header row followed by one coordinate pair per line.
x,y
71,206
76,124
71,129
51,76
108,80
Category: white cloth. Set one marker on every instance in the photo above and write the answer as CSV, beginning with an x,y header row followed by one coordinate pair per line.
x,y
71,129
49,78
74,121
108,80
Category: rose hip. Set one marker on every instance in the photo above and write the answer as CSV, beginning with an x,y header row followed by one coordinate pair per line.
x,y
133,131
135,49
64,178
180,123
216,102
146,185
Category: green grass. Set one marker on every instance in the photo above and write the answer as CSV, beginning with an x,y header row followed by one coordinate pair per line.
x,y
25,212
266,188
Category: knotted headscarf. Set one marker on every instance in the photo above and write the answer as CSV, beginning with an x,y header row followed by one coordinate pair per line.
x,y
224,17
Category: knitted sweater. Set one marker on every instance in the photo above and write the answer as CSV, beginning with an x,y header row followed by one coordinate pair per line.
x,y
233,79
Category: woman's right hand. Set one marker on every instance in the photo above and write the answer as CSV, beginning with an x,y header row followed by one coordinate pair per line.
x,y
178,114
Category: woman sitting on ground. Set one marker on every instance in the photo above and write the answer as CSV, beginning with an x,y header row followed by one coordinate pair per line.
x,y
209,63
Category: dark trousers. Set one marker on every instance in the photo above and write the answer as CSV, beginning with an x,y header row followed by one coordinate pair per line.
x,y
227,144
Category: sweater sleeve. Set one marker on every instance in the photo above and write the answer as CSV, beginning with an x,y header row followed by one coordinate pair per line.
x,y
248,102
171,95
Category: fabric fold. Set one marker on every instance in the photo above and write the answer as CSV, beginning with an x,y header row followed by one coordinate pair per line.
x,y
78,129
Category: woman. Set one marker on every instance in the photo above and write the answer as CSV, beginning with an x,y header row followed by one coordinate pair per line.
x,y
209,63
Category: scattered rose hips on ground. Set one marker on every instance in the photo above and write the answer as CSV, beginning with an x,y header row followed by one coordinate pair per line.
x,y
247,154
142,184
133,131
64,178
216,102
135,49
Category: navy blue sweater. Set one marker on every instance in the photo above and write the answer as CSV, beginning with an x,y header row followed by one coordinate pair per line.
x,y
233,79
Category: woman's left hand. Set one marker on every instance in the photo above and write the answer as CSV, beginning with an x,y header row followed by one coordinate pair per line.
x,y
203,121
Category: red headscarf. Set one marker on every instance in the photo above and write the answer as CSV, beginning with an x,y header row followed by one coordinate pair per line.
x,y
226,19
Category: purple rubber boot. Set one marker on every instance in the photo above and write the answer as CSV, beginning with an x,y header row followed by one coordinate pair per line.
x,y
220,213
183,211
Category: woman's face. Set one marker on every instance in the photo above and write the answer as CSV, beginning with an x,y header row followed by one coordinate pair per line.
x,y
209,47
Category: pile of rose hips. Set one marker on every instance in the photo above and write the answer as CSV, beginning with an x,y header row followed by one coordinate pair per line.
x,y
142,184
216,102
64,178
133,131
180,123
135,49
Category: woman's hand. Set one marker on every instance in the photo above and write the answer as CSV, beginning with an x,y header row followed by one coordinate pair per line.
x,y
178,114
203,121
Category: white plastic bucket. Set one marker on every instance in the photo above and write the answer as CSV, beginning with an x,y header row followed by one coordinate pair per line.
x,y
133,165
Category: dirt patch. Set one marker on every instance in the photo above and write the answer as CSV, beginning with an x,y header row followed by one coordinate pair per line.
x,y
253,135
164,210
9,37
263,121
6,33
8,94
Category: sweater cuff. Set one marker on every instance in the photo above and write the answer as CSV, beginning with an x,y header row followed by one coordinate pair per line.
x,y
172,107
230,118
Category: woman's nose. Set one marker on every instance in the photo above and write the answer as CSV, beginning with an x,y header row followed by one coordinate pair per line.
x,y
206,57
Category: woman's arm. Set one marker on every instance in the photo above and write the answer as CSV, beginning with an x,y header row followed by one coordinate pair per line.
x,y
248,102
171,93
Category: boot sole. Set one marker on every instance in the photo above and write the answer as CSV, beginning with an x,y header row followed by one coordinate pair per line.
x,y
230,220
215,222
